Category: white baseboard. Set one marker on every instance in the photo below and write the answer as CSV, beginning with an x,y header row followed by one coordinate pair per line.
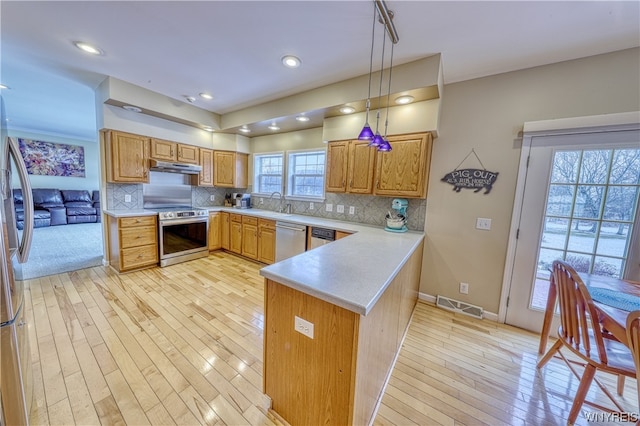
x,y
431,300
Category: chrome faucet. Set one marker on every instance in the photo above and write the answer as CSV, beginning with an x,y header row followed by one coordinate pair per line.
x,y
280,195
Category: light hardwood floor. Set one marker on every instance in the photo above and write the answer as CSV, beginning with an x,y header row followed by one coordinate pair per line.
x,y
183,345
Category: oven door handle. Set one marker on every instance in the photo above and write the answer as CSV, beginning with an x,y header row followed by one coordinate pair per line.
x,y
182,221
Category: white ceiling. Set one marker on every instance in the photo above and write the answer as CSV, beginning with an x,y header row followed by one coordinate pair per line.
x,y
232,49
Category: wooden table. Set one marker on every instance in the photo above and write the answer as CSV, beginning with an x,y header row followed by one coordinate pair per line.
x,y
617,327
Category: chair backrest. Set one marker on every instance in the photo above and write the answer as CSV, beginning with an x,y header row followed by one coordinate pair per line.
x,y
578,313
633,338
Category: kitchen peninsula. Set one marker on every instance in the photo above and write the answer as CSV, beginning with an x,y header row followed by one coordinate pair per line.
x,y
355,298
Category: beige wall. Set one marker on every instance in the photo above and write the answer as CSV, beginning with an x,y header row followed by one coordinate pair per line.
x,y
487,115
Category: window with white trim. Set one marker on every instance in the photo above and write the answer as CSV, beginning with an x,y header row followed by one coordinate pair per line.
x,y
305,173
267,172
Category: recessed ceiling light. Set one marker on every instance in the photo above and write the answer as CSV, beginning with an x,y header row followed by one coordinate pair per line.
x,y
302,118
131,108
404,100
4,86
86,47
244,129
347,110
291,61
206,96
274,127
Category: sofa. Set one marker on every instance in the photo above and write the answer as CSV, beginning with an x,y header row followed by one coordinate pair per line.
x,y
52,207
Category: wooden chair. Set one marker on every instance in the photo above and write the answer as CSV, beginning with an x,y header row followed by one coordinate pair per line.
x,y
581,333
633,339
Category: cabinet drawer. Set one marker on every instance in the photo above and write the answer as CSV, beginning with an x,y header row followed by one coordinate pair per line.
x,y
249,220
126,222
136,257
138,236
235,217
266,224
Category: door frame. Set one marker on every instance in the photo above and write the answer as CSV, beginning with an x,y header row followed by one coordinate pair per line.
x,y
565,126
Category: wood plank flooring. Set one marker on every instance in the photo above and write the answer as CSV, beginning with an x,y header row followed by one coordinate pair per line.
x,y
183,345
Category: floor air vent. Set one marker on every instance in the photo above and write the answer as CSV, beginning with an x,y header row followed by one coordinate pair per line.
x,y
457,306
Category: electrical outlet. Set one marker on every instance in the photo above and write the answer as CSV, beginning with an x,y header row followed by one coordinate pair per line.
x,y
352,210
464,288
483,223
329,207
303,326
261,200
311,206
212,197
340,208
127,198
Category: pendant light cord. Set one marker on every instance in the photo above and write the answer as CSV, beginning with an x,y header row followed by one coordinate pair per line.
x,y
373,34
386,120
384,42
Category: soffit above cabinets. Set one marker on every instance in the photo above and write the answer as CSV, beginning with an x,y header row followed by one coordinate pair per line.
x,y
421,79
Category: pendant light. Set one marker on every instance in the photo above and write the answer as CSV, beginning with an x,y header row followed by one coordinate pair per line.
x,y
377,139
385,146
366,133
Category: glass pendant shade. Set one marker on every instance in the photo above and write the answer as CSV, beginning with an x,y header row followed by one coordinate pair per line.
x,y
366,134
384,146
377,140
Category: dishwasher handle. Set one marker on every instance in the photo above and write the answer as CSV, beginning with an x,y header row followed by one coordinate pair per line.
x,y
291,227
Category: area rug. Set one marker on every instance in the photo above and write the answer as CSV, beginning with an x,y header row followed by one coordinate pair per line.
x,y
63,248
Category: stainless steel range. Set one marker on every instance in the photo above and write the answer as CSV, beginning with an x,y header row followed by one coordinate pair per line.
x,y
183,229
183,234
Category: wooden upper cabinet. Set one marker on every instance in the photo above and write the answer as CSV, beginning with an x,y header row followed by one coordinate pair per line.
x,y
350,167
361,167
164,150
172,151
188,154
230,169
205,177
404,171
337,162
127,157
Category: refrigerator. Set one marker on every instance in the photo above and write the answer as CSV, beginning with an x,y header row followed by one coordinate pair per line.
x,y
16,373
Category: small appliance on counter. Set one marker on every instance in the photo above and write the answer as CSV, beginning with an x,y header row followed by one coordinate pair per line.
x,y
227,200
242,201
397,221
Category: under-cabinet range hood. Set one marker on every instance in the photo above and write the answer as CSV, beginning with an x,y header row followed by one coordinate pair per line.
x,y
166,166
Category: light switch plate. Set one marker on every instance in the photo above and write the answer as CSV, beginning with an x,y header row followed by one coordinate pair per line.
x,y
352,210
212,197
329,207
311,206
127,198
340,208
303,326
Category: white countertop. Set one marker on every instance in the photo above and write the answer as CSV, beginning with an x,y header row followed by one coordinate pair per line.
x,y
351,272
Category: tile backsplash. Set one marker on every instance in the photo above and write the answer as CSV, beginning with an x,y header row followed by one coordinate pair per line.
x,y
368,209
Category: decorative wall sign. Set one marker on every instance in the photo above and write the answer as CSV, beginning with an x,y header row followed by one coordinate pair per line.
x,y
471,178
52,159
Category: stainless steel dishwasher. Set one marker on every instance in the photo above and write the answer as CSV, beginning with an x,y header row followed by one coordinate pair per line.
x,y
291,239
321,236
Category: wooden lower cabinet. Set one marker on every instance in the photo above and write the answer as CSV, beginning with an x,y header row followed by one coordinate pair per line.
x,y
133,242
342,234
224,230
215,237
336,377
250,237
235,233
266,241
